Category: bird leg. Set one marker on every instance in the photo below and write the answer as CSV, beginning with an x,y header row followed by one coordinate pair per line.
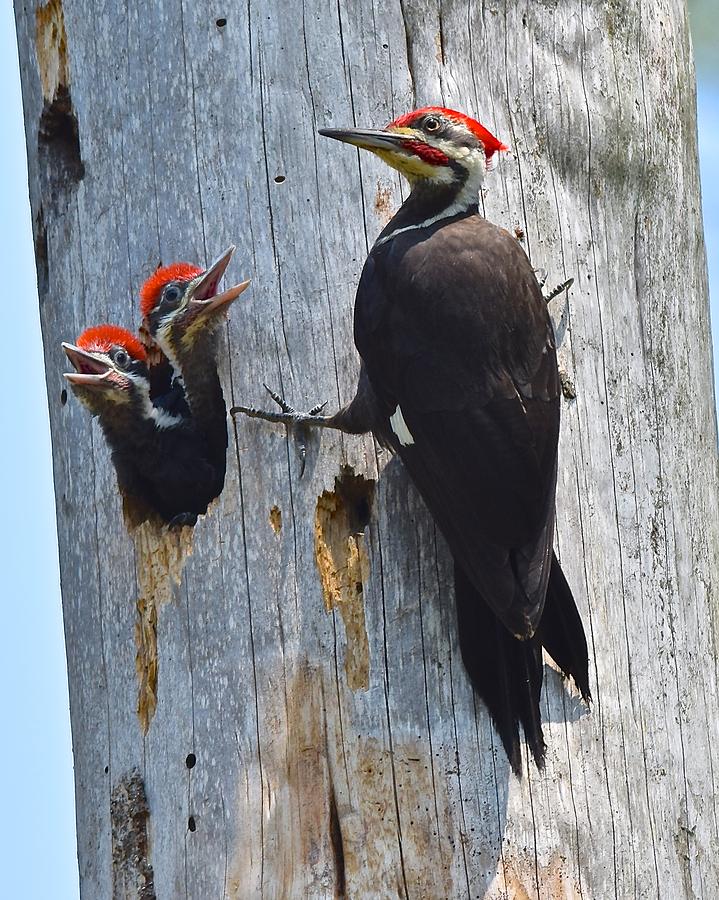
x,y
299,422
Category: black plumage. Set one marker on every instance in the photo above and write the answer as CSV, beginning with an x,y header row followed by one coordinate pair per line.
x,y
452,328
172,470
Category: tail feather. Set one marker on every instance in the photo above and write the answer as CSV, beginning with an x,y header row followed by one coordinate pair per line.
x,y
507,673
561,632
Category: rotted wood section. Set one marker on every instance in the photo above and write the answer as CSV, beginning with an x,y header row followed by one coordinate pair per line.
x,y
311,730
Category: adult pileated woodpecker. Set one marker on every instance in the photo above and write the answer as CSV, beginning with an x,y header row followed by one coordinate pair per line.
x,y
181,312
160,457
459,377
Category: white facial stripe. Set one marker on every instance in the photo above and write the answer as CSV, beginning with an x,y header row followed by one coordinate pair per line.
x,y
449,149
400,428
468,196
162,339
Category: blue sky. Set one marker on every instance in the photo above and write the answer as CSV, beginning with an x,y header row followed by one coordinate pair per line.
x,y
37,827
37,840
708,115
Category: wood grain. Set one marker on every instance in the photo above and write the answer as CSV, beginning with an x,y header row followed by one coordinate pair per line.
x,y
179,135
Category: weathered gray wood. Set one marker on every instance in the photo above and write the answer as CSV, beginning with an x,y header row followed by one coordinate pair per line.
x,y
194,134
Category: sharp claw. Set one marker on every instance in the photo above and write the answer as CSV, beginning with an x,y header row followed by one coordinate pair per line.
x,y
316,410
564,286
303,458
280,401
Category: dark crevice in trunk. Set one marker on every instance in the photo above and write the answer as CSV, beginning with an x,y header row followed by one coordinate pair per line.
x,y
338,852
58,143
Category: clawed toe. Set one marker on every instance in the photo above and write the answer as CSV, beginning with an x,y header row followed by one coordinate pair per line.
x,y
280,401
297,422
555,292
181,520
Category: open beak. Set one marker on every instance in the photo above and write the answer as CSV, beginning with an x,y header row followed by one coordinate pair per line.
x,y
205,298
91,371
367,139
207,287
222,300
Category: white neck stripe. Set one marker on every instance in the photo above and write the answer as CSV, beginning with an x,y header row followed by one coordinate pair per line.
x,y
467,196
161,417
452,210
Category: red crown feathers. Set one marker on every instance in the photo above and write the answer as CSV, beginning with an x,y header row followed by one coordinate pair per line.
x,y
152,288
102,338
489,141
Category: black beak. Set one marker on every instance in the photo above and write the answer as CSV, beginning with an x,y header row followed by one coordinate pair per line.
x,y
367,139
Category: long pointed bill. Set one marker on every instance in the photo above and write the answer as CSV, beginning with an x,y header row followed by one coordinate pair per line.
x,y
367,139
91,381
207,286
85,363
91,371
221,301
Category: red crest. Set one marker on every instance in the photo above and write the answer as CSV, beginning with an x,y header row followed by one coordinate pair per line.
x,y
489,141
152,288
102,338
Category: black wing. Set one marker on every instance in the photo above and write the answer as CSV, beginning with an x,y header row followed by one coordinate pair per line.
x,y
459,348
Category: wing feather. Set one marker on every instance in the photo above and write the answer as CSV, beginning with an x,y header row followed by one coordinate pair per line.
x,y
454,331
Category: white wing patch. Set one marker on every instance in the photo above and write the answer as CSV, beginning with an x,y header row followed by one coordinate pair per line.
x,y
164,419
399,426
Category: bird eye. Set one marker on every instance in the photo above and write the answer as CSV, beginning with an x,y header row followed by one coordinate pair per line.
x,y
431,124
172,294
122,358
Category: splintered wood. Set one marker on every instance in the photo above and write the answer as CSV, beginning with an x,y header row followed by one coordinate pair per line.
x,y
342,563
160,555
51,48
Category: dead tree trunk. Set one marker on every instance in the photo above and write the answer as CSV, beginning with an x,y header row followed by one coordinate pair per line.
x,y
310,730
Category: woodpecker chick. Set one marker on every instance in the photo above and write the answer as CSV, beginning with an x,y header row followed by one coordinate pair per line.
x,y
459,378
160,459
181,313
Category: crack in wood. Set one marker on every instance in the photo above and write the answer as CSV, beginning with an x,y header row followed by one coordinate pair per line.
x,y
338,852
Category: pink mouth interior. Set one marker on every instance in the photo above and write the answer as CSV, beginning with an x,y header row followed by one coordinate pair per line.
x,y
87,367
210,290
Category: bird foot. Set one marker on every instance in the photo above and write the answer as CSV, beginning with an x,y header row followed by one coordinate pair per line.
x,y
555,292
298,422
181,520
